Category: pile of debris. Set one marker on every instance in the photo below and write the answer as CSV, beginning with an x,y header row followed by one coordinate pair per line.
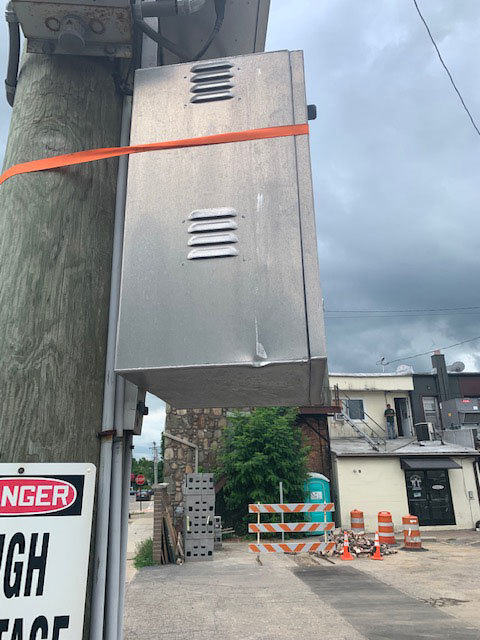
x,y
360,545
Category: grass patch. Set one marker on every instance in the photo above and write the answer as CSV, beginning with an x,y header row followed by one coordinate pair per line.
x,y
144,557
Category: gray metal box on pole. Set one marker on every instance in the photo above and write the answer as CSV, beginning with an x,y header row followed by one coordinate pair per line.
x,y
220,301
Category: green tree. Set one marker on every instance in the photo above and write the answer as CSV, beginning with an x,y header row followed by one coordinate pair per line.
x,y
260,450
145,466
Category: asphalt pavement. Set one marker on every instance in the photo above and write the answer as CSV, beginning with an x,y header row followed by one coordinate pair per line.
x,y
140,506
235,597
379,611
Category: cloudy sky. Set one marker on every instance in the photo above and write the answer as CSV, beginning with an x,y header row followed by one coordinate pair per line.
x,y
396,165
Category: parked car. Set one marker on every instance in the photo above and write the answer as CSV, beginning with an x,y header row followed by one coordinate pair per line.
x,y
142,495
132,491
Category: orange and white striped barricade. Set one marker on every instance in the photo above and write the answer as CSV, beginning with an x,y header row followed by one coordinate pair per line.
x,y
411,534
357,522
290,547
296,507
290,527
385,528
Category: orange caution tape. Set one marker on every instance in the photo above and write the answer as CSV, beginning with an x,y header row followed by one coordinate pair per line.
x,y
92,155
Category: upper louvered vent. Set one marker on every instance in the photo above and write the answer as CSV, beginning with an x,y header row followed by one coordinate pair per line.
x,y
211,81
212,233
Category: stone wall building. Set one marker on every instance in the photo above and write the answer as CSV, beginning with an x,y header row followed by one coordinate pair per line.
x,y
201,427
204,428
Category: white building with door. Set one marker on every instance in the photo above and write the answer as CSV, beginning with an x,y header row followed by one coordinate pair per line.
x,y
434,480
364,398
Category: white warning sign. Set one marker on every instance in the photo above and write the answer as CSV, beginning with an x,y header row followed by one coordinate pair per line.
x,y
45,527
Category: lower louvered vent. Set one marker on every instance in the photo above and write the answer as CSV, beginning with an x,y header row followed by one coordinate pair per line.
x,y
212,233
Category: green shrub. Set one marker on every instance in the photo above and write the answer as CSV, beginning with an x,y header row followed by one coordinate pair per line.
x,y
260,450
144,557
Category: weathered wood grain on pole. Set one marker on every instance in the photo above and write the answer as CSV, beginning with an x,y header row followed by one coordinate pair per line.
x,y
55,261
56,231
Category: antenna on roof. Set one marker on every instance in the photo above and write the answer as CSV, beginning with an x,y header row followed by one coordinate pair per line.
x,y
382,363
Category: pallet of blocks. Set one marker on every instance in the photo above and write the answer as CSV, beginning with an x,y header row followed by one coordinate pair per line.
x,y
199,522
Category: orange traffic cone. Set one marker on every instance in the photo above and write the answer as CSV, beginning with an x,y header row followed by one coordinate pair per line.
x,y
378,554
346,555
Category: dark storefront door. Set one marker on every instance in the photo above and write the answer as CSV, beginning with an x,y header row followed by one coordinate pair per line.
x,y
429,496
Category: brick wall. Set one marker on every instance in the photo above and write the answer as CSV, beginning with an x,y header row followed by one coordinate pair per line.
x,y
315,435
160,505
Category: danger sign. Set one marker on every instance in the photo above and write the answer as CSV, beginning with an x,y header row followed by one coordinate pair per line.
x,y
45,526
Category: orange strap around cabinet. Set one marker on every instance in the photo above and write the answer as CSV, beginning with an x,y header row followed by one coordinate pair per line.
x,y
91,155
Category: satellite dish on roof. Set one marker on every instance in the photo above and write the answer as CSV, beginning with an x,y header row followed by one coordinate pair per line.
x,y
404,369
456,367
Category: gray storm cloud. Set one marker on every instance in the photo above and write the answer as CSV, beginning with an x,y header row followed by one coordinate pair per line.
x,y
395,163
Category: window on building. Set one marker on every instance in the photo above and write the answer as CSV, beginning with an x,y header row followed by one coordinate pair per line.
x,y
430,408
354,409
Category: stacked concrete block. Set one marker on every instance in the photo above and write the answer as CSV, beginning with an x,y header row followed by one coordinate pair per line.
x,y
199,491
217,541
199,484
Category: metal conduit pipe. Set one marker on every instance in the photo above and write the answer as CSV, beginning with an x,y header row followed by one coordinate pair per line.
x,y
164,8
112,600
161,40
127,468
13,53
108,418
187,443
186,7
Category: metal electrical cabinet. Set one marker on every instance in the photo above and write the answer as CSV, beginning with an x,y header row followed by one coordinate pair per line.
x,y
220,300
84,27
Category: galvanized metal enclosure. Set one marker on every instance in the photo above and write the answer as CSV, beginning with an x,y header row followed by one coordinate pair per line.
x,y
220,301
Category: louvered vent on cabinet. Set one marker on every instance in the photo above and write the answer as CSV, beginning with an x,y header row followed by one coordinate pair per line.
x,y
211,81
212,233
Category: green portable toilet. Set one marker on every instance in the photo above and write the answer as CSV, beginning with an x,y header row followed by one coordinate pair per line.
x,y
317,489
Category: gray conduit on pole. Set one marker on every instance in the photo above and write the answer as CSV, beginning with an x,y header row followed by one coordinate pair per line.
x,y
114,535
127,468
13,53
105,471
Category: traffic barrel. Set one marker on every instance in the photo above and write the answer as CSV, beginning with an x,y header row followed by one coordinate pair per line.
x,y
406,522
411,534
385,528
357,521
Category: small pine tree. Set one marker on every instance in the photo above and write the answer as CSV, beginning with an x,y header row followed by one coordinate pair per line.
x,y
260,450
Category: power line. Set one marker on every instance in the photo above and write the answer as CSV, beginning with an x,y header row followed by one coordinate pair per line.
x,y
398,310
446,68
413,315
426,353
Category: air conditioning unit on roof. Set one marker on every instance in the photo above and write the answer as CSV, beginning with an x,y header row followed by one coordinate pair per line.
x,y
425,431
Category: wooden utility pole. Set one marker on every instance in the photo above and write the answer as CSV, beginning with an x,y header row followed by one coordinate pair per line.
x,y
56,232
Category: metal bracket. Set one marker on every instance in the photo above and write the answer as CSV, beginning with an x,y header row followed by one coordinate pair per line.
x,y
107,434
